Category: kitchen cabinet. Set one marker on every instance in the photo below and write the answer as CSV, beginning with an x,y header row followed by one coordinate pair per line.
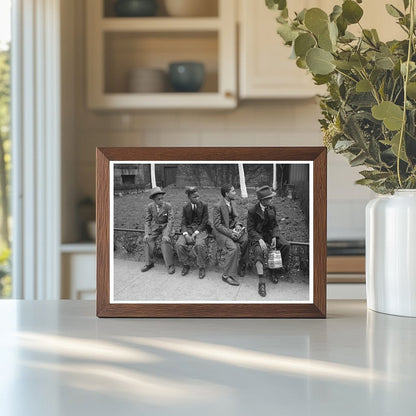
x,y
118,45
78,263
265,70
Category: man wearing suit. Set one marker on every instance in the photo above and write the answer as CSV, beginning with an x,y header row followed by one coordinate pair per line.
x,y
230,234
194,232
158,221
263,230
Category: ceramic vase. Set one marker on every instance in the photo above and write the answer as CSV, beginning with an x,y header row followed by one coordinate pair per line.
x,y
391,253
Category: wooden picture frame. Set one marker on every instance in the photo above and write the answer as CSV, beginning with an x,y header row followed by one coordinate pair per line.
x,y
255,159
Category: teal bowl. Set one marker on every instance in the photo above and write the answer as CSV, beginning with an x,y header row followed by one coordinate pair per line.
x,y
135,8
186,76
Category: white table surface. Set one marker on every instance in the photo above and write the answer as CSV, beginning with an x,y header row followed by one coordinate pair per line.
x,y
57,358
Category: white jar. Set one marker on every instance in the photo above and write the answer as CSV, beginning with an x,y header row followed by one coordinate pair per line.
x,y
391,253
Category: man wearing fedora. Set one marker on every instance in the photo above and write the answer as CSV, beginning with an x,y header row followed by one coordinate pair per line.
x,y
263,231
194,232
230,234
158,221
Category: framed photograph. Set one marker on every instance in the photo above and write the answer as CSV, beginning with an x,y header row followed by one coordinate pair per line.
x,y
211,232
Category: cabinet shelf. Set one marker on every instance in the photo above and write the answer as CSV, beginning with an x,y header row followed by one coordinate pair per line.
x,y
118,46
160,24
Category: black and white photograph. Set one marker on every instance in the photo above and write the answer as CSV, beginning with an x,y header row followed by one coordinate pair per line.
x,y
211,232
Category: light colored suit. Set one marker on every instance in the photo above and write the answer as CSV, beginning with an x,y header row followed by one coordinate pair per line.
x,y
224,223
156,223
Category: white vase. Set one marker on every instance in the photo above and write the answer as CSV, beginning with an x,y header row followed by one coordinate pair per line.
x,y
391,253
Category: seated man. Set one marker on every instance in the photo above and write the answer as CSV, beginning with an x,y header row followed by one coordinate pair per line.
x,y
158,221
194,232
230,234
263,230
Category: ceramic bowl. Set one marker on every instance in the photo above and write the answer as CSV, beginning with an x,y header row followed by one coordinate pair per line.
x,y
147,80
135,8
186,76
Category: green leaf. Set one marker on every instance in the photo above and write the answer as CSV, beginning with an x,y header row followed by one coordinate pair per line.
x,y
301,15
391,114
316,20
375,35
374,174
358,61
347,37
301,63
336,12
276,4
343,145
363,86
384,62
411,90
319,61
394,143
351,11
303,43
325,42
342,25
393,11
359,160
287,33
345,65
406,4
321,79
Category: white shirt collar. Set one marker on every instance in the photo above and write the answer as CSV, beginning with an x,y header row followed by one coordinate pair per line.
x,y
262,207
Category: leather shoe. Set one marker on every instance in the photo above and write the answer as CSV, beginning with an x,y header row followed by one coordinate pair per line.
x,y
230,280
185,270
242,270
147,267
274,277
201,272
262,289
171,269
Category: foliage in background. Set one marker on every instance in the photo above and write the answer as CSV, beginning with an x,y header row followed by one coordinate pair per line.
x,y
5,166
5,278
369,113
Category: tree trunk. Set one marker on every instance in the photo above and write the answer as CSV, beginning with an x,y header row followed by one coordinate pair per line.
x,y
242,181
4,197
153,174
274,177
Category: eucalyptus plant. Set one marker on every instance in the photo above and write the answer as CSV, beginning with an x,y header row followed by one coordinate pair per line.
x,y
369,111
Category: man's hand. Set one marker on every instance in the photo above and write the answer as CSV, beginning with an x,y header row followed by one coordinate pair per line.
x,y
166,239
263,244
146,238
273,246
235,236
188,239
196,232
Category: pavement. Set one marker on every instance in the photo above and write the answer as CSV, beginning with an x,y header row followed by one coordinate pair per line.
x,y
131,285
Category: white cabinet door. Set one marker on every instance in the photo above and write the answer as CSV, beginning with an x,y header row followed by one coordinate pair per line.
x,y
264,66
265,69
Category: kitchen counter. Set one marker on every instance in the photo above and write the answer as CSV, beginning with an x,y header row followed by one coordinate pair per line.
x,y
57,358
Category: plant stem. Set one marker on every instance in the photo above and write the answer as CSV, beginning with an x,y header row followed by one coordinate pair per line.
x,y
406,78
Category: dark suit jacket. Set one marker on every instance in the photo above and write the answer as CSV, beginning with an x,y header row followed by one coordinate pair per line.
x,y
223,224
201,221
262,225
154,221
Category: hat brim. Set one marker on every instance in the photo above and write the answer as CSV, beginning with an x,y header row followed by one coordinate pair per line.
x,y
157,193
267,196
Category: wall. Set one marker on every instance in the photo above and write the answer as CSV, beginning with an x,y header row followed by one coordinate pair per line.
x,y
253,123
